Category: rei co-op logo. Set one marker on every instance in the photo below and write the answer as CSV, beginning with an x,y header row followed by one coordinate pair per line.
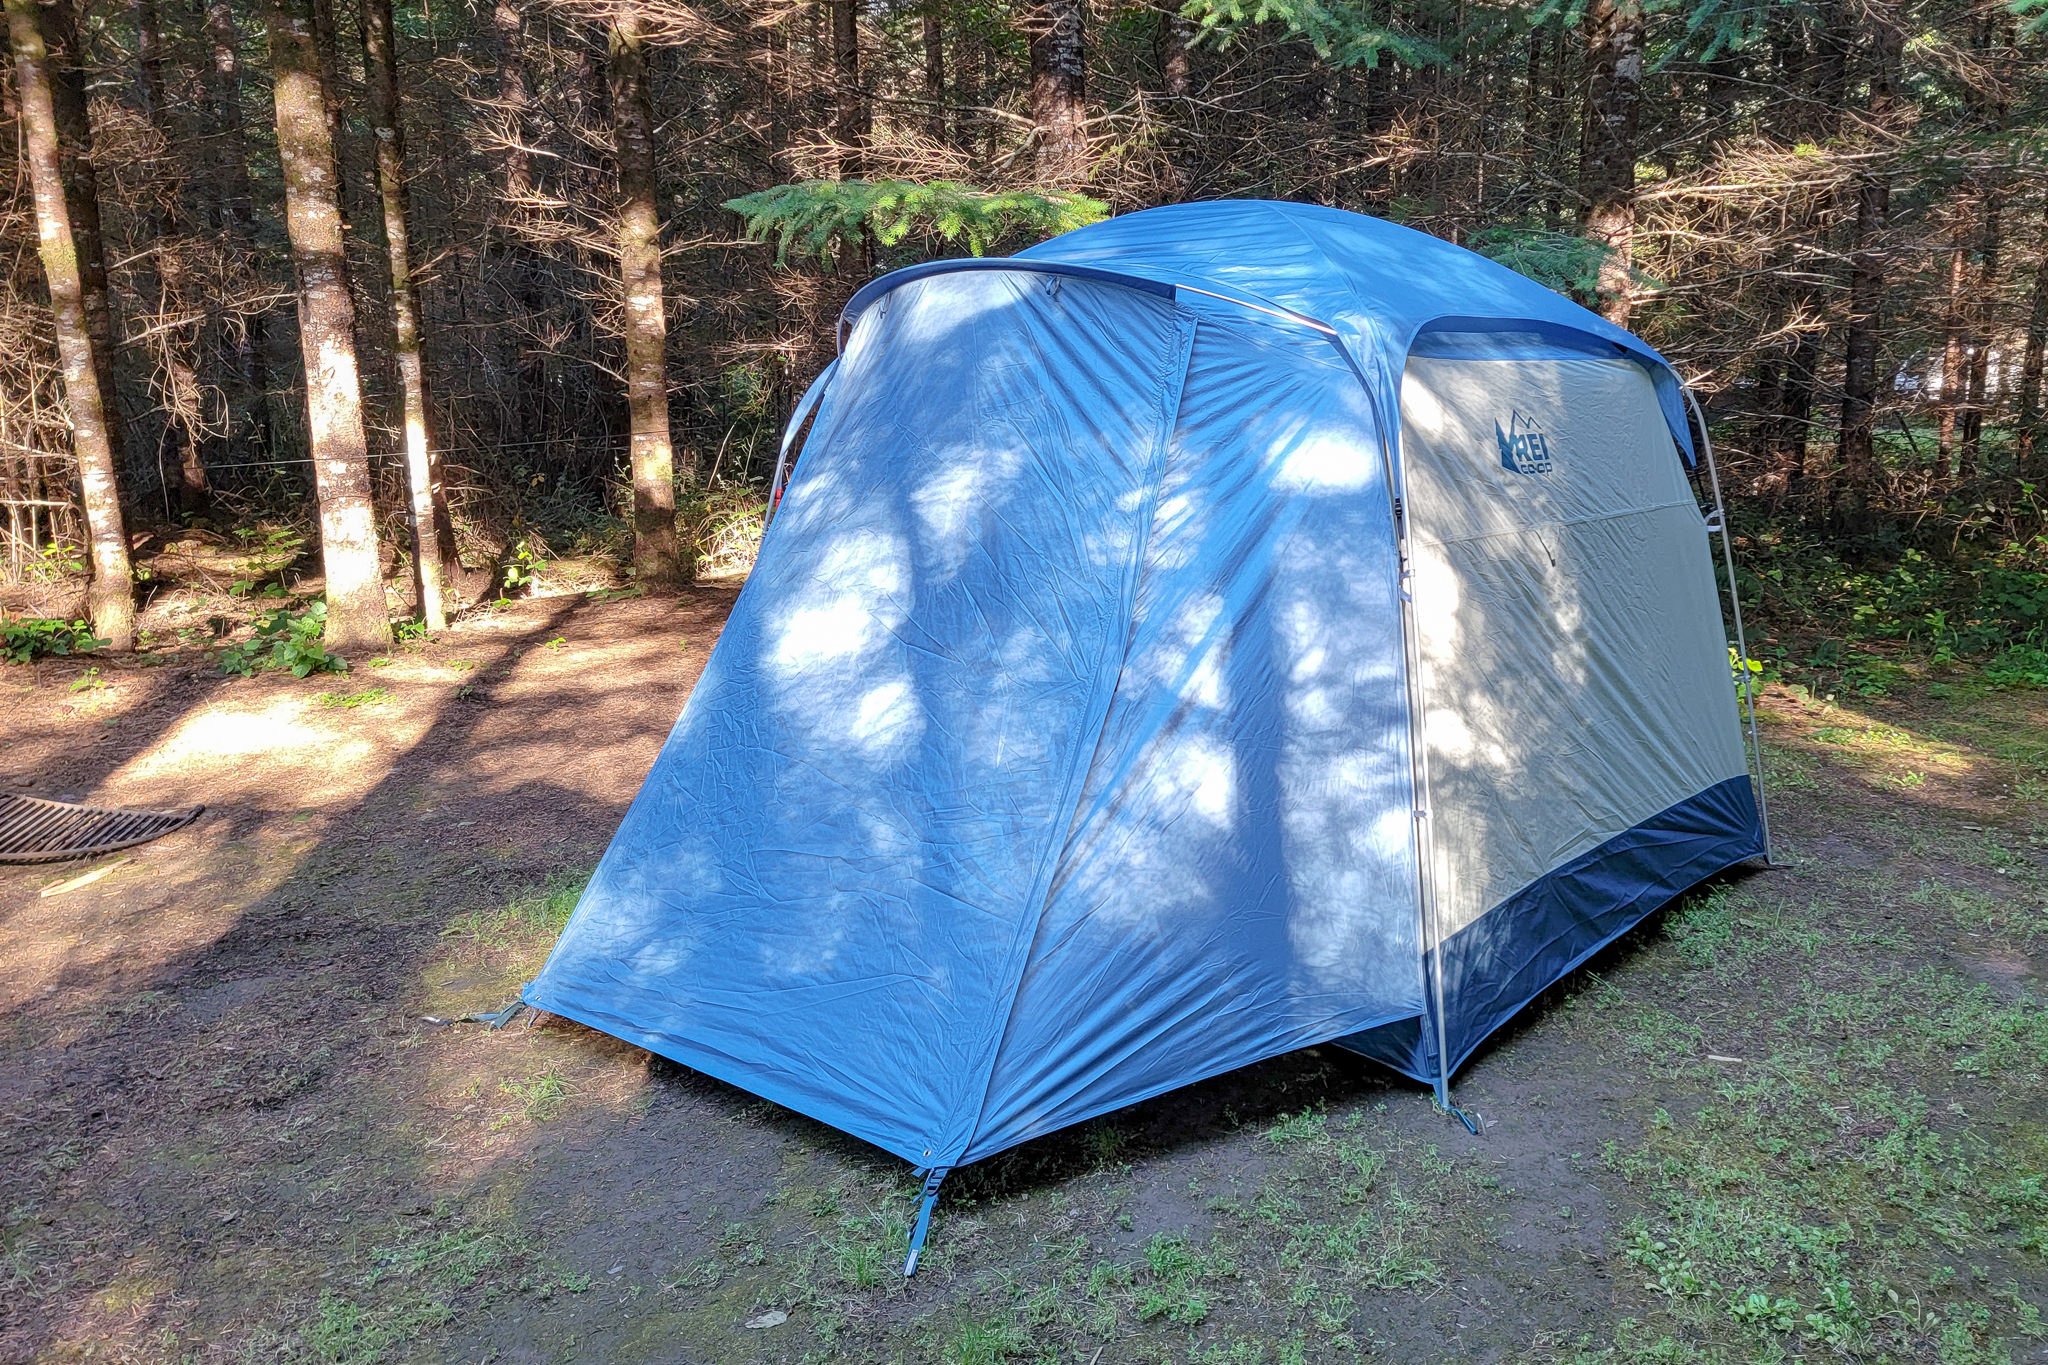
x,y
1523,449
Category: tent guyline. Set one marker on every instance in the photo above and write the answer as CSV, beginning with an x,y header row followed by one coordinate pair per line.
x,y
1218,631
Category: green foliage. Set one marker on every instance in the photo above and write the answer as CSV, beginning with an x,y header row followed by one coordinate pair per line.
x,y
987,1343
1563,261
1770,1311
1986,606
350,701
34,638
525,559
1342,32
284,639
540,1097
1746,672
813,217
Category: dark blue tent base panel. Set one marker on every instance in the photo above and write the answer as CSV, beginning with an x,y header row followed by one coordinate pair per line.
x,y
1507,957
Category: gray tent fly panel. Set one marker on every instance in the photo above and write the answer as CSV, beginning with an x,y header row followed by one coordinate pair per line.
x,y
1221,630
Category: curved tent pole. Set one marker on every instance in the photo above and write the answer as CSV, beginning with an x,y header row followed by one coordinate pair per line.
x,y
1720,526
812,396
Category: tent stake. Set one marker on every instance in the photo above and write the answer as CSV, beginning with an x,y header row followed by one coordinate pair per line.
x,y
933,1178
1756,744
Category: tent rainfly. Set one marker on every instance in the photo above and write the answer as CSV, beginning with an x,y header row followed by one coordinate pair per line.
x,y
1224,629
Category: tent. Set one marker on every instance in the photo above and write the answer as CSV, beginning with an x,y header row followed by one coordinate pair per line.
x,y
1220,630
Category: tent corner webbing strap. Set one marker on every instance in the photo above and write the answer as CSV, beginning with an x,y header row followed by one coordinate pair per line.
x,y
928,1198
33,830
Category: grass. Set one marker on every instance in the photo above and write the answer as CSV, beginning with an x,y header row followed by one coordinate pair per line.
x,y
536,912
354,701
540,1097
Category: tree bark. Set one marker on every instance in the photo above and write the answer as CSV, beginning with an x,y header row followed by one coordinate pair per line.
x,y
1868,258
657,554
433,532
2033,427
935,70
110,595
176,342
850,122
356,614
236,208
509,23
1059,90
1170,51
1607,161
1953,368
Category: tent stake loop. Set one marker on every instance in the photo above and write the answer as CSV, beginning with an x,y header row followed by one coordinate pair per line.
x,y
933,1178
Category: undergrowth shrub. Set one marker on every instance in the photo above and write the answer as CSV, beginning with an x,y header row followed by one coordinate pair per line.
x,y
284,639
1982,605
34,638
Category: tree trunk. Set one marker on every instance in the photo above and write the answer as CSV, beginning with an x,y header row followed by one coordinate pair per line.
x,y
935,70
1170,50
67,74
657,555
1059,90
2033,428
509,23
177,342
356,615
850,122
1952,366
1867,260
433,532
1982,318
110,595
1607,162
237,212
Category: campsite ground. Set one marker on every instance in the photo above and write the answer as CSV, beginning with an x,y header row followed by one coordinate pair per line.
x,y
1802,1114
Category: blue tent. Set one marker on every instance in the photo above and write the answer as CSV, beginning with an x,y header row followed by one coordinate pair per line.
x,y
1224,629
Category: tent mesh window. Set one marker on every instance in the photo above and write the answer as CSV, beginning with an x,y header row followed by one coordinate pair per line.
x,y
37,831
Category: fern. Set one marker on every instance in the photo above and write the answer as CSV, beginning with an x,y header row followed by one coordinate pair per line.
x,y
1343,33
1563,261
812,217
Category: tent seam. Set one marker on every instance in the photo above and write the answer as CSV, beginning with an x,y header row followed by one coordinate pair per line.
x,y
1173,379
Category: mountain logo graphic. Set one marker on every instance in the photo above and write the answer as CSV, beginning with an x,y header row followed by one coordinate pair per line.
x,y
1523,449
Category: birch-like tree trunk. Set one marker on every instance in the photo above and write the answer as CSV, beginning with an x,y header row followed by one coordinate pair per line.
x,y
356,614
657,554
110,596
433,531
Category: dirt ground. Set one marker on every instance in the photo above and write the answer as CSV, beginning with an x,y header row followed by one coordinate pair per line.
x,y
1802,1114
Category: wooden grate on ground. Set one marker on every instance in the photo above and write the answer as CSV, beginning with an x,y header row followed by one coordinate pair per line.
x,y
37,831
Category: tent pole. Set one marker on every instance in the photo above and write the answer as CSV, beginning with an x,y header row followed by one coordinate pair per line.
x,y
1756,745
1422,837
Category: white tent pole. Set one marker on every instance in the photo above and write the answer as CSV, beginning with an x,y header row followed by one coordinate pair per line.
x,y
1756,745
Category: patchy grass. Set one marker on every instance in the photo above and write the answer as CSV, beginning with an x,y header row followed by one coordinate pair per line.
x,y
355,701
1801,1116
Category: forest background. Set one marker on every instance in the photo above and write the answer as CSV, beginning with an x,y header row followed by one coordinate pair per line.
x,y
557,269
